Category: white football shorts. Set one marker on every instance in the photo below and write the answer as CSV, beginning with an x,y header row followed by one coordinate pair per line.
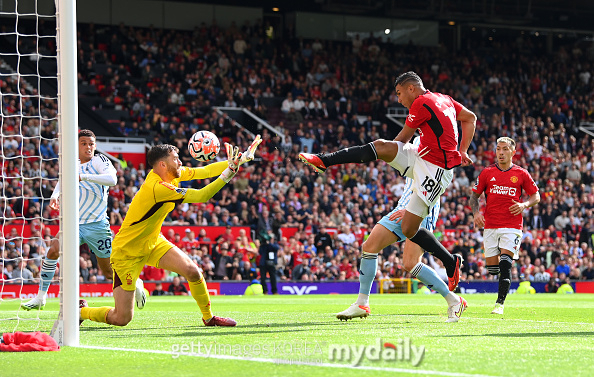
x,y
503,238
430,181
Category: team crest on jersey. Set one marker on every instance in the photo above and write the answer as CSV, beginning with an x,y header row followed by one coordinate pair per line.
x,y
128,279
514,179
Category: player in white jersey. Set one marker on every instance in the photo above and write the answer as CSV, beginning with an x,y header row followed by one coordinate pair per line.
x,y
412,255
96,175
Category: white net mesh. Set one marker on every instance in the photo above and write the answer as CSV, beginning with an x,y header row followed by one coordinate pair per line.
x,y
29,158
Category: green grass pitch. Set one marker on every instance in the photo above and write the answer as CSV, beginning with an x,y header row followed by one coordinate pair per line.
x,y
539,335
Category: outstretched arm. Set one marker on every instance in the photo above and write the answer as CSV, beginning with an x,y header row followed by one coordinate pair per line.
x,y
205,193
208,171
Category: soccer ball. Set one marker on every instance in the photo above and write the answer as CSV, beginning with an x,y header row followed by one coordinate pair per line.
x,y
204,146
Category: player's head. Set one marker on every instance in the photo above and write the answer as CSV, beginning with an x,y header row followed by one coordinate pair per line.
x,y
408,87
165,161
86,145
506,149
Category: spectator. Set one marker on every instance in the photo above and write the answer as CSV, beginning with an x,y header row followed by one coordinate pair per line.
x,y
177,288
158,291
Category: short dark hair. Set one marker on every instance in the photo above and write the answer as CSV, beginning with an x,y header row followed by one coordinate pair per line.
x,y
408,77
159,152
86,133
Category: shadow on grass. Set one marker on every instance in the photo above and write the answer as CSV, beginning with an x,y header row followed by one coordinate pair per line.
x,y
200,330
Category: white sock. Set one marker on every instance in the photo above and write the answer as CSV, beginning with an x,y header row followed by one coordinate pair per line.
x,y
41,295
452,299
363,299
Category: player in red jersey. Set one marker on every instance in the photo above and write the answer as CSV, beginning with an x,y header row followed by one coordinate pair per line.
x,y
429,165
502,183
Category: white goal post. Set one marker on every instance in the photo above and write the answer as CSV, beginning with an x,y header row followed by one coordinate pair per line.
x,y
67,325
23,48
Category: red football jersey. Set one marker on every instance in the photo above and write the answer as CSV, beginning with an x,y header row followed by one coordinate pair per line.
x,y
501,188
434,115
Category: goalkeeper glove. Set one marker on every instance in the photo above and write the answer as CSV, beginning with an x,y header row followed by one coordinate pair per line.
x,y
233,157
249,154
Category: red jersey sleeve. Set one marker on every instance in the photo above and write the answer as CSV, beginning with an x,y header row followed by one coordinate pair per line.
x,y
457,105
528,184
481,183
417,115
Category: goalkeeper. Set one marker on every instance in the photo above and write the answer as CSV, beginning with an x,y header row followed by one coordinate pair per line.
x,y
139,242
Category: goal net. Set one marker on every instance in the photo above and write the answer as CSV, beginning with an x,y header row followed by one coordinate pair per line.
x,y
38,147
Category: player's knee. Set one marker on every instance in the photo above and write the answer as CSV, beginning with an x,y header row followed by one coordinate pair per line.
x,y
193,273
368,248
409,264
53,252
121,319
385,149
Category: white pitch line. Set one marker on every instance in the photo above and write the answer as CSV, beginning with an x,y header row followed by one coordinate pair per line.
x,y
290,362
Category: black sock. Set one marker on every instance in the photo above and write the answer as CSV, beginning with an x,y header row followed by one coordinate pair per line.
x,y
427,241
358,154
505,264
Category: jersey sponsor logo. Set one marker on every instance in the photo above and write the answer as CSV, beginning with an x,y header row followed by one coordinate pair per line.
x,y
493,179
514,179
503,190
181,191
410,118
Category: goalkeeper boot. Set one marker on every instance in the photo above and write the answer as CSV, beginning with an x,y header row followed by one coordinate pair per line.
x,y
314,161
219,321
140,294
354,311
455,279
498,309
82,304
35,303
455,311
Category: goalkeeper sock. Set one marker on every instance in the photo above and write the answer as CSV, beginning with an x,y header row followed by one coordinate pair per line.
x,y
367,271
359,154
505,265
95,314
200,294
48,269
427,241
429,277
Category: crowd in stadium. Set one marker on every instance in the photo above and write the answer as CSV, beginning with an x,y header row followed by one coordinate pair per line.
x,y
321,96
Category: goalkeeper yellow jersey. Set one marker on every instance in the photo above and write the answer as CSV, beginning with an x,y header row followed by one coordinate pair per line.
x,y
156,199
